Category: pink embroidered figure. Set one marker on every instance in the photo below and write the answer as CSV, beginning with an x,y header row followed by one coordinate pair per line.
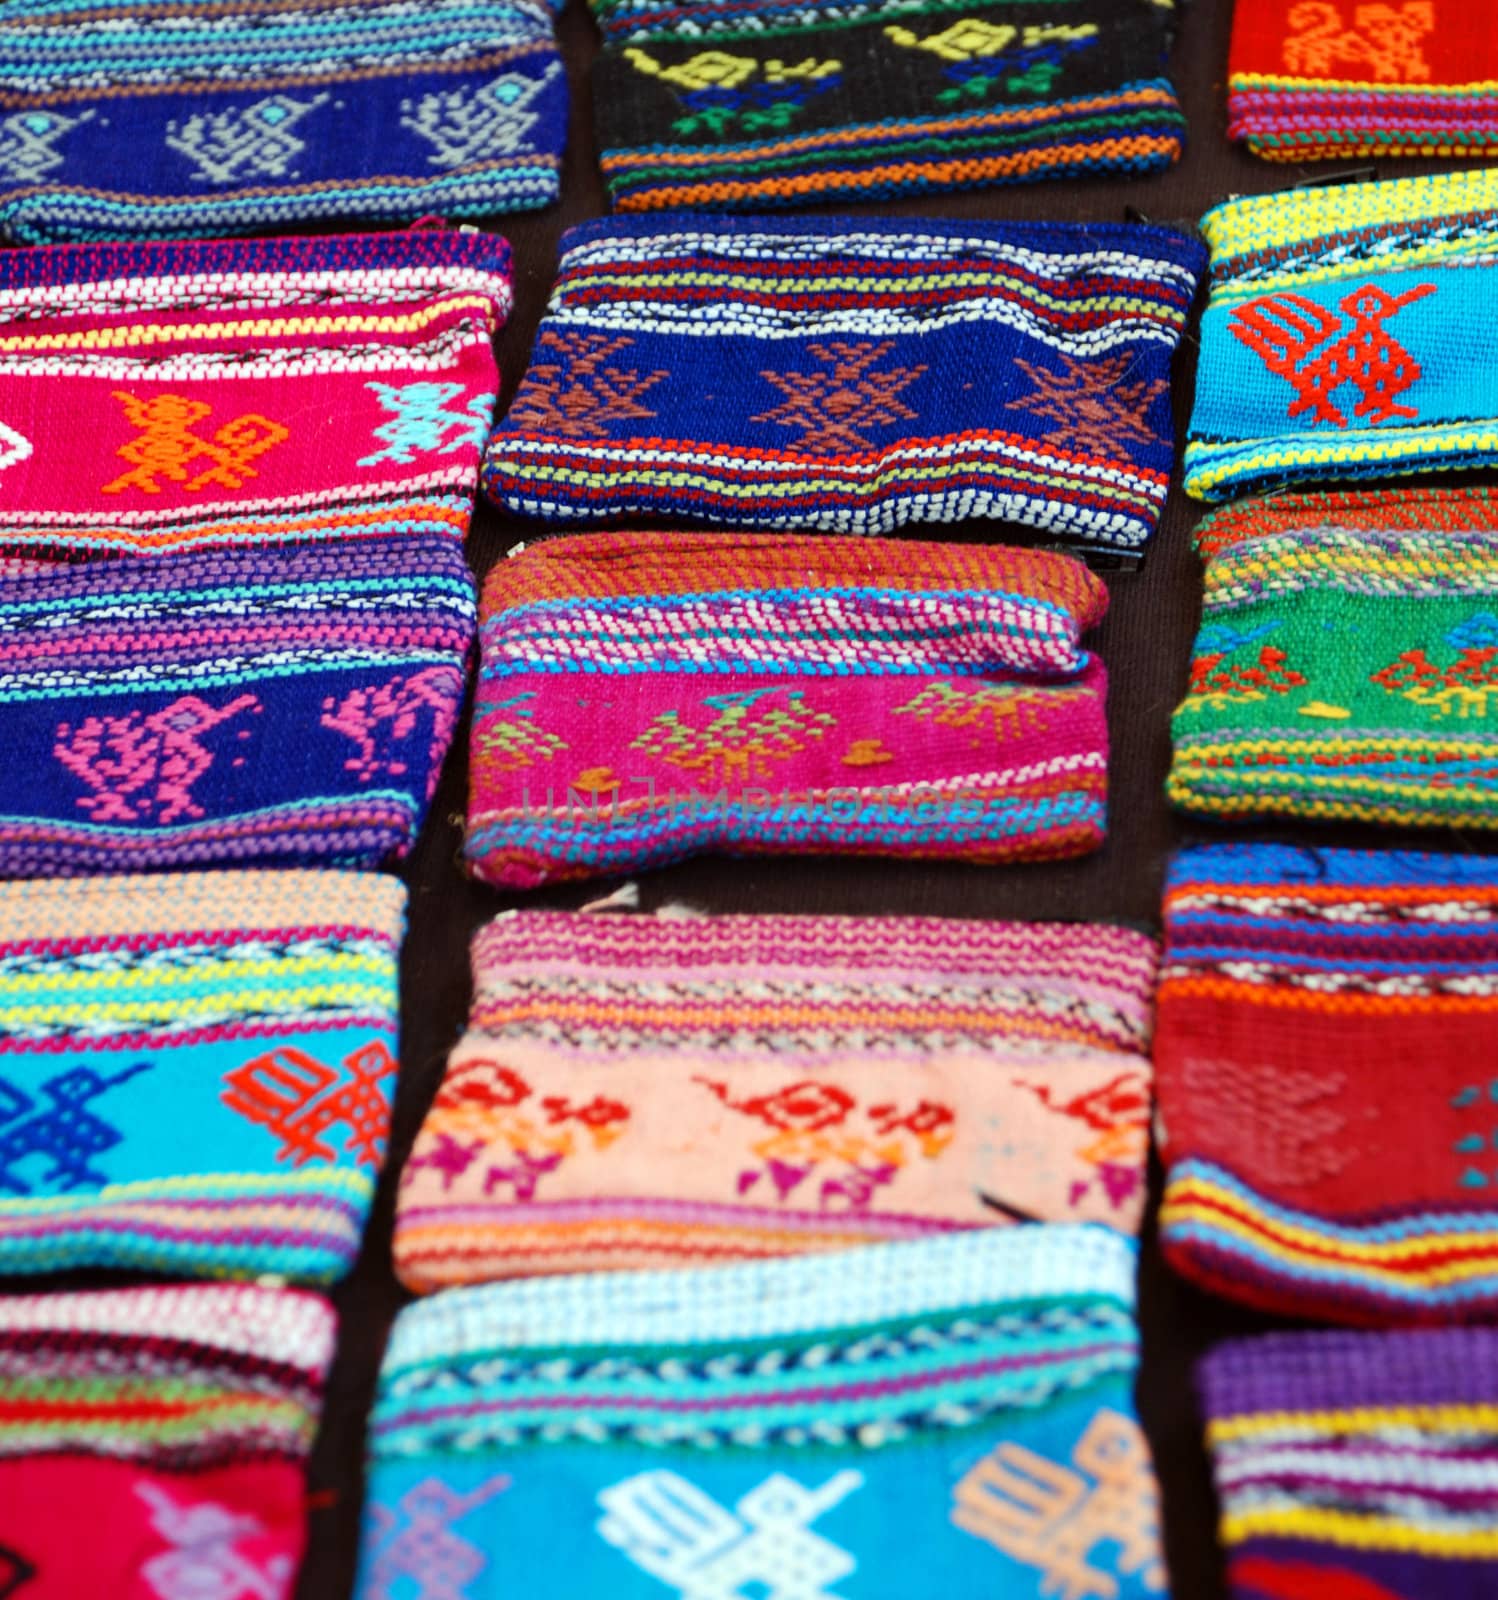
x,y
138,764
378,719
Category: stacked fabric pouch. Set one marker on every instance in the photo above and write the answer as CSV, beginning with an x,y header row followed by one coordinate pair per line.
x,y
1326,1054
643,698
229,705
156,398
1348,334
1323,80
1347,661
764,103
161,118
854,376
657,1091
1356,1466
256,1011
947,1417
153,1442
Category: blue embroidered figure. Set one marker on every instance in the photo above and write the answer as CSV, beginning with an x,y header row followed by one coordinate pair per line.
x,y
254,142
464,125
423,423
66,1133
28,143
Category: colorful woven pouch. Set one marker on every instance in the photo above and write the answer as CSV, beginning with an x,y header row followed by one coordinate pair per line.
x,y
659,1092
764,103
162,397
291,706
1347,335
1326,1056
951,1417
1347,661
153,1442
179,117
854,376
1356,1466
260,1007
1321,80
790,695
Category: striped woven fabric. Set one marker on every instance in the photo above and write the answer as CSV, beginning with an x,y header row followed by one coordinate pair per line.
x,y
869,1423
1356,1466
156,398
178,117
289,706
1347,664
1326,1056
195,1071
790,695
651,1091
754,103
153,1442
854,376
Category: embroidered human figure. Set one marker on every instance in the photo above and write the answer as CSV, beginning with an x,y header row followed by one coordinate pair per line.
x,y
1051,1517
416,1540
1315,351
464,125
167,445
1385,41
29,140
299,1098
762,1550
424,424
66,1133
836,409
247,141
204,1558
743,739
139,763
581,391
1094,409
379,718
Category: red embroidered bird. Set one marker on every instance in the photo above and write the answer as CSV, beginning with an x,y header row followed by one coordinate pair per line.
x,y
1315,352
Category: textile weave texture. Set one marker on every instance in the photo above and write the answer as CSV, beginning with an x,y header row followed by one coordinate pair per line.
x,y
229,706
1356,1466
853,376
169,118
195,1071
863,1424
163,397
153,1442
1346,336
757,103
644,698
1347,664
1326,1057
658,1091
1323,80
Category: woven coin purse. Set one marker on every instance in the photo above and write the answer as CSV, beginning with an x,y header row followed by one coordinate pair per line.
x,y
1347,662
257,1009
762,103
1345,336
1356,1466
654,1092
229,706
853,376
1324,80
161,397
1326,1060
228,116
644,698
154,1442
950,1417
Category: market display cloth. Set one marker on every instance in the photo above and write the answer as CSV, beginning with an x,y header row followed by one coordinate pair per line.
x,y
195,1070
851,375
169,118
642,699
661,1091
953,1416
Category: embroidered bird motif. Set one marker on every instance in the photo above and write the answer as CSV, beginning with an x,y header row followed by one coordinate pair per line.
x,y
1316,352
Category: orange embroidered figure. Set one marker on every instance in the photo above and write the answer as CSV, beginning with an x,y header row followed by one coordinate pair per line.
x,y
1315,352
167,445
580,392
298,1098
835,409
1094,410
1385,42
